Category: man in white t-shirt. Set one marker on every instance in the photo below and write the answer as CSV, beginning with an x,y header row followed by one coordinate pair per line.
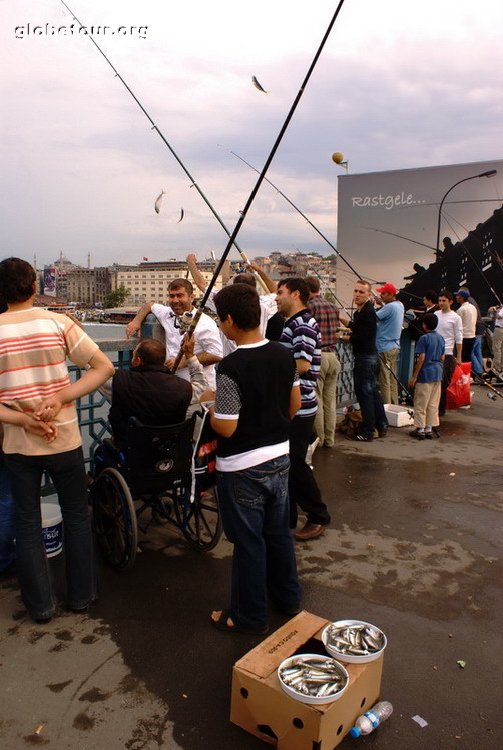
x,y
208,346
271,323
468,314
451,330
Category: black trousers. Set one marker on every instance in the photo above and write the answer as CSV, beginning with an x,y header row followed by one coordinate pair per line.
x,y
449,365
466,352
302,486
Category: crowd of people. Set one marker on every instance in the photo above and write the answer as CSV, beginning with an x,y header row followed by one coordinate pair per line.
x,y
266,367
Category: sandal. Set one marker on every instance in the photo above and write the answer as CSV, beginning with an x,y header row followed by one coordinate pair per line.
x,y
222,624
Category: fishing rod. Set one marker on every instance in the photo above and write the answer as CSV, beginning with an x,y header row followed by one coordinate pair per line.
x,y
260,179
161,135
481,381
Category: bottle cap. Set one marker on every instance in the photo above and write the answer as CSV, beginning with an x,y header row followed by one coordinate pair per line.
x,y
355,732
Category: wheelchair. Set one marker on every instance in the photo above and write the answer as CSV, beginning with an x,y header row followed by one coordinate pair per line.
x,y
164,470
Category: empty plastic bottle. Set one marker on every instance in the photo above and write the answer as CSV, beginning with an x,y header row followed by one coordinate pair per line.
x,y
370,720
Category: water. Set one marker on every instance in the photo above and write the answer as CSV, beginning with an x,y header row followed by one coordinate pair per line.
x,y
100,331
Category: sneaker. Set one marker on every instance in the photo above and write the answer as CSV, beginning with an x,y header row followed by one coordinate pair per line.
x,y
428,435
360,438
418,435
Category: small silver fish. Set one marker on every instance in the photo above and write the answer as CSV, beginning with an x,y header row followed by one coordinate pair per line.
x,y
182,214
158,201
258,86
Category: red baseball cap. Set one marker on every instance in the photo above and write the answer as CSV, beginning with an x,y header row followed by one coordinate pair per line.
x,y
387,289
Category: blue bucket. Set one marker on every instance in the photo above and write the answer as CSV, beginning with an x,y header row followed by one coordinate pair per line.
x,y
52,528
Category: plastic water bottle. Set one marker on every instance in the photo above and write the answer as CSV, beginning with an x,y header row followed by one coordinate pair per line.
x,y
370,720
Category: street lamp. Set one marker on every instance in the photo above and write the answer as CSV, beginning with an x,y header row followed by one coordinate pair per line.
x,y
339,159
489,173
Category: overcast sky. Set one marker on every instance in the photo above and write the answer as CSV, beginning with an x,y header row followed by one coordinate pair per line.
x,y
399,85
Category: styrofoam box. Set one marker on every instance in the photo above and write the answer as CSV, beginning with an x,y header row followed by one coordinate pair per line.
x,y
399,416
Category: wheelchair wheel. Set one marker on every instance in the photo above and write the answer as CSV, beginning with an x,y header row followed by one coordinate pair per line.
x,y
115,520
200,521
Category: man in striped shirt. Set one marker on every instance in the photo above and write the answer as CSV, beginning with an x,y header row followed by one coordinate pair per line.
x,y
34,345
302,337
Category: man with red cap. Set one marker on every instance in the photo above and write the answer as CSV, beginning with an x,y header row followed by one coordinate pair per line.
x,y
389,328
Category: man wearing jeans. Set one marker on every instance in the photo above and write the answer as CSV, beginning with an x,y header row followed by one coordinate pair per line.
x,y
257,393
366,364
34,345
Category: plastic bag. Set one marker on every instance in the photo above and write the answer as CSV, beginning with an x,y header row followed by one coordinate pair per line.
x,y
458,391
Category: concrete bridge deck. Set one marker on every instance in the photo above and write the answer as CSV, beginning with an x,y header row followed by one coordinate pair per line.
x,y
414,546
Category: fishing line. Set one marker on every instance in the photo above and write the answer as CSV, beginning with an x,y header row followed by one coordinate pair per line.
x,y
261,178
160,134
352,270
298,211
465,248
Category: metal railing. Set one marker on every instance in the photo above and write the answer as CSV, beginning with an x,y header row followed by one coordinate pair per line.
x,y
92,410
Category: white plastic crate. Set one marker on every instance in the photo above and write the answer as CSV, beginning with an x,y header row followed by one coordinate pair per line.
x,y
399,416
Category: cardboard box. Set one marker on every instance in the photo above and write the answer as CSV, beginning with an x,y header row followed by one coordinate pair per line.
x,y
399,416
261,707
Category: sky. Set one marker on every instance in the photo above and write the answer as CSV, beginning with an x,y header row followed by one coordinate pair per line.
x,y
399,85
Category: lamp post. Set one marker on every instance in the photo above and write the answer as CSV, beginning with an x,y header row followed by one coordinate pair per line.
x,y
489,173
339,159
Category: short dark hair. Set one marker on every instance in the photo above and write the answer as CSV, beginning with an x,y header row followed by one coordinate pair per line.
x,y
242,303
3,306
245,278
151,352
313,284
364,283
16,280
429,321
446,293
181,283
296,284
431,295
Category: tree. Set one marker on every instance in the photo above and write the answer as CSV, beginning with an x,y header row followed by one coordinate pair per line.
x,y
117,297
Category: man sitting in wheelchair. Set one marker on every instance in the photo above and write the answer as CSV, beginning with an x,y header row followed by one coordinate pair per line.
x,y
149,392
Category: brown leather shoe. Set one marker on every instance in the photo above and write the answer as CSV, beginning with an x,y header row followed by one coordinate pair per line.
x,y
309,531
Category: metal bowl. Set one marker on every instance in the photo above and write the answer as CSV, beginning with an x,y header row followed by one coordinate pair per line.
x,y
312,699
349,658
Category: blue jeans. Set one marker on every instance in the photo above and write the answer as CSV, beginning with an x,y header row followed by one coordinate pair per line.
x,y
68,474
365,373
7,547
476,356
254,507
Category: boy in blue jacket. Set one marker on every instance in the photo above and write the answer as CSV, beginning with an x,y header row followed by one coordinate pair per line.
x,y
426,379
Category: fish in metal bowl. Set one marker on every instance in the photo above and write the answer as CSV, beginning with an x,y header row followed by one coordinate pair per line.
x,y
354,641
313,678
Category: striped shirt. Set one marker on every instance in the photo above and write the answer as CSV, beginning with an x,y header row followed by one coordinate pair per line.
x,y
34,346
302,336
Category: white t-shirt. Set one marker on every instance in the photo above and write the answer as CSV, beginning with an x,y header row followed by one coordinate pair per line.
x,y
206,336
450,328
468,314
268,308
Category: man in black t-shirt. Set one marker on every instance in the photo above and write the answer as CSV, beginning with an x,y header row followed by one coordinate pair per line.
x,y
366,363
257,393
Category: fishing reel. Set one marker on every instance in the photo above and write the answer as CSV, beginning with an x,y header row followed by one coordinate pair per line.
x,y
183,322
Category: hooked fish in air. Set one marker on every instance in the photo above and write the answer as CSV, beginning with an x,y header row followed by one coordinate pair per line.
x,y
258,86
157,205
182,214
